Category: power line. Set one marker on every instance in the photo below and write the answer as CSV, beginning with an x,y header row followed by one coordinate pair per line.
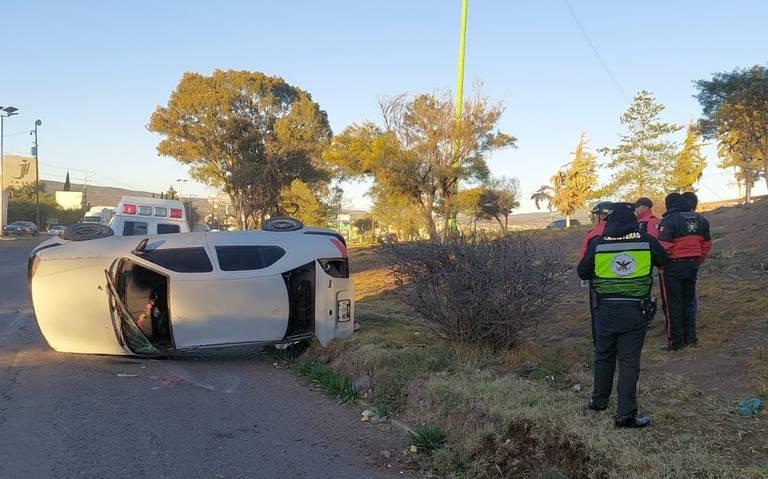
x,y
594,50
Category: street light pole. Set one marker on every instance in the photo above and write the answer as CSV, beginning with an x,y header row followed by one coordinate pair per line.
x,y
180,183
7,111
37,176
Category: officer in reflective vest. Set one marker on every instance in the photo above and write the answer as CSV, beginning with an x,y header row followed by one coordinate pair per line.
x,y
620,263
600,212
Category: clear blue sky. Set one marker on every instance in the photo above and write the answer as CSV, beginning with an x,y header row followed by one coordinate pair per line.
x,y
93,71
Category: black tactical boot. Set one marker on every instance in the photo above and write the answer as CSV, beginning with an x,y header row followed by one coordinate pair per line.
x,y
633,421
596,407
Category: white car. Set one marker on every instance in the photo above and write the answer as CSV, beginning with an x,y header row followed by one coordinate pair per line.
x,y
56,230
164,294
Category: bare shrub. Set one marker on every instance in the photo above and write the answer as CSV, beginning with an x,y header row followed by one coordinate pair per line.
x,y
480,290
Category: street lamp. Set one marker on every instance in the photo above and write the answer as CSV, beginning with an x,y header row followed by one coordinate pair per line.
x,y
180,183
5,112
37,175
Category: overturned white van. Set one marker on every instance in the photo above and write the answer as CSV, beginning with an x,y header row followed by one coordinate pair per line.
x,y
164,294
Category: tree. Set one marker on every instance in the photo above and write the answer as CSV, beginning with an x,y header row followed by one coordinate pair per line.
x,y
422,153
394,211
171,193
244,132
67,184
575,185
364,225
300,202
735,109
645,157
544,193
690,163
737,154
468,204
498,199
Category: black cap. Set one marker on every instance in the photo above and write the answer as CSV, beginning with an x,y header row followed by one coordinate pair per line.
x,y
621,220
644,201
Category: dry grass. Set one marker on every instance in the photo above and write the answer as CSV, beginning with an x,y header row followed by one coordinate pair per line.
x,y
521,413
758,365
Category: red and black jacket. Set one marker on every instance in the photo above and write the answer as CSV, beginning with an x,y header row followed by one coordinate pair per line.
x,y
685,234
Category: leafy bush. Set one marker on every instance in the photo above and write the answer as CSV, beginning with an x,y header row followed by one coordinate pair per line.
x,y
479,290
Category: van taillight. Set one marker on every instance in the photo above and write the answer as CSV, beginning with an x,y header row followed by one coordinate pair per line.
x,y
175,213
129,209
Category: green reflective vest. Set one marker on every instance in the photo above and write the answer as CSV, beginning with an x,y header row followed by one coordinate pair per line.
x,y
623,269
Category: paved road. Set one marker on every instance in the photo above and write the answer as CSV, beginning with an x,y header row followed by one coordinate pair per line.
x,y
64,416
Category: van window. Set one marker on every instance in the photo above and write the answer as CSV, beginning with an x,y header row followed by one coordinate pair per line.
x,y
134,228
163,229
181,260
242,258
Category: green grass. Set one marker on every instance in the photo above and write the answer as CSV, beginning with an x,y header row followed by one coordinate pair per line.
x,y
428,438
335,384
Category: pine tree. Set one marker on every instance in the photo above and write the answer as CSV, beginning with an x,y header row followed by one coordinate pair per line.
x,y
645,156
575,186
67,184
690,163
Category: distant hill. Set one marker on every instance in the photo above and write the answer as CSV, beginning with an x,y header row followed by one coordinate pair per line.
x,y
109,196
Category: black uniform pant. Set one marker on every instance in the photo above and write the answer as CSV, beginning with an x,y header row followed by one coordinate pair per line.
x,y
620,328
680,289
593,312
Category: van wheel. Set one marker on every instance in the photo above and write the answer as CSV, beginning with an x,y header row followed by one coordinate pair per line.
x,y
282,223
86,231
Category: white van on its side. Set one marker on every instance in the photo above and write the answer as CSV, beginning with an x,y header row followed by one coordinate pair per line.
x,y
138,216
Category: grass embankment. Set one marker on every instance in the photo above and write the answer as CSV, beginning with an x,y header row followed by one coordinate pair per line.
x,y
521,413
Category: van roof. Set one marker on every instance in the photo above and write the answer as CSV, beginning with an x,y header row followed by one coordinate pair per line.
x,y
144,200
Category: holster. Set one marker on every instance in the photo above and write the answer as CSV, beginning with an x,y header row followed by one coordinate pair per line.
x,y
648,307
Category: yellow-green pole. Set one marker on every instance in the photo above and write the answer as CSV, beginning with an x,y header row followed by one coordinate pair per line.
x,y
453,225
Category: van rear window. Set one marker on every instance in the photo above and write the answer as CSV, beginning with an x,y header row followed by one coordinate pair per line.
x,y
134,228
163,229
181,260
243,258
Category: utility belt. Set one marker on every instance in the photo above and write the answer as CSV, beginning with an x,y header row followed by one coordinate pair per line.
x,y
687,259
647,306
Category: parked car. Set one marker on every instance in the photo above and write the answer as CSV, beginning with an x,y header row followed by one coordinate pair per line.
x,y
164,294
56,230
20,228
560,224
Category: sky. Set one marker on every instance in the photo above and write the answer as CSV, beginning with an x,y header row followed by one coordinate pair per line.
x,y
93,71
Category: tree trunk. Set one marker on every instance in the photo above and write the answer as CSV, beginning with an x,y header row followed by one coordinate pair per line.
x,y
506,224
567,221
747,186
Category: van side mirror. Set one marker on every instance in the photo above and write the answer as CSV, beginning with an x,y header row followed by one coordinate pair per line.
x,y
141,247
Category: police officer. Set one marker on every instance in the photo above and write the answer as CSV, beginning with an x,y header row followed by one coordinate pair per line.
x,y
619,263
685,235
645,217
599,213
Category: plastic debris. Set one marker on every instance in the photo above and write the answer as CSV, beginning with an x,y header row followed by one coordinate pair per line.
x,y
749,407
123,375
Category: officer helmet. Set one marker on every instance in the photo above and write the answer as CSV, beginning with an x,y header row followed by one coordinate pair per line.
x,y
603,209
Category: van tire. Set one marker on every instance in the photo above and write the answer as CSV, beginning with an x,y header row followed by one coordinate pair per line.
x,y
282,223
87,231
